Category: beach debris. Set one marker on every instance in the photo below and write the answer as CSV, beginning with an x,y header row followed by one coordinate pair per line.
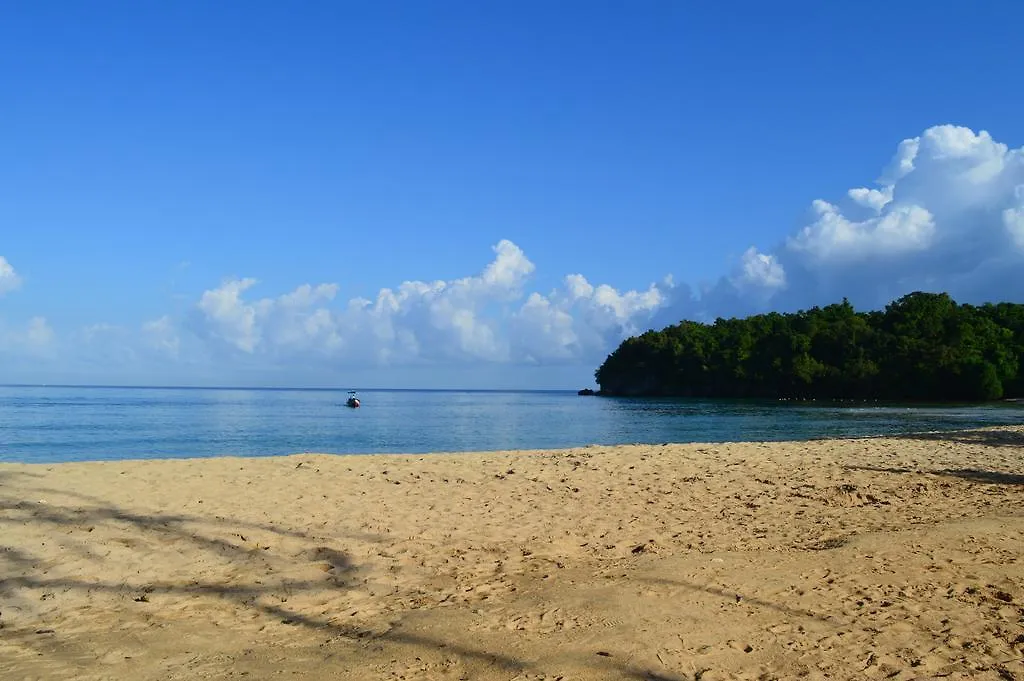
x,y
603,653
650,546
144,596
829,543
1003,596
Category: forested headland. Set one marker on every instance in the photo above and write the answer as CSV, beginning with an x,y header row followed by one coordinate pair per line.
x,y
921,347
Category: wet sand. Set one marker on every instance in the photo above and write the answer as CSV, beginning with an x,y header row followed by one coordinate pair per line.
x,y
845,559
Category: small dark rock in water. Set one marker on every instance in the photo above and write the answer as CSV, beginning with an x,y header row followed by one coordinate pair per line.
x,y
585,391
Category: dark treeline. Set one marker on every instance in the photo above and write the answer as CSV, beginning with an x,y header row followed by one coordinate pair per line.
x,y
923,346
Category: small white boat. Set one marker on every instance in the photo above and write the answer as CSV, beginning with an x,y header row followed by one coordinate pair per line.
x,y
352,401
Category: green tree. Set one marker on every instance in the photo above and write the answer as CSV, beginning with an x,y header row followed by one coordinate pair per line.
x,y
922,346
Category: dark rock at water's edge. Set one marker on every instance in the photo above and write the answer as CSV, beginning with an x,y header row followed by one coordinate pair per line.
x,y
586,391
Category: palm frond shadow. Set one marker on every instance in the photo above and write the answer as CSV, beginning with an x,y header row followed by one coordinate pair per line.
x,y
22,571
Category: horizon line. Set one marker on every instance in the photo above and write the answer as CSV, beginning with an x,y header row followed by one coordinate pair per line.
x,y
92,386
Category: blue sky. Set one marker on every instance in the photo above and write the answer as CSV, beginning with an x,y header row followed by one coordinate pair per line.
x,y
159,155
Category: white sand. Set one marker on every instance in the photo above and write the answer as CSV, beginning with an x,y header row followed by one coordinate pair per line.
x,y
878,558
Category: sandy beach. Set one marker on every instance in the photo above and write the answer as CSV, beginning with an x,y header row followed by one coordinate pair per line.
x,y
843,559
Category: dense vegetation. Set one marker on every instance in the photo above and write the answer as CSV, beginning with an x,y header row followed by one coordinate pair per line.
x,y
923,346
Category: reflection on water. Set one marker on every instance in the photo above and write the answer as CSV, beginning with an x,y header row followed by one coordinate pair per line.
x,y
62,424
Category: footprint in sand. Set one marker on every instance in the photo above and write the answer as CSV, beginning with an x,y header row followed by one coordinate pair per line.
x,y
543,622
423,669
737,645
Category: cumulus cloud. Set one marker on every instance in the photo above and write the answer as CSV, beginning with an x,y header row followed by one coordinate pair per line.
x,y
946,214
833,238
580,320
9,279
760,273
945,217
487,317
293,320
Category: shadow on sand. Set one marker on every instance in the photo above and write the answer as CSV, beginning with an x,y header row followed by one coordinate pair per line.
x,y
22,572
737,597
986,437
970,474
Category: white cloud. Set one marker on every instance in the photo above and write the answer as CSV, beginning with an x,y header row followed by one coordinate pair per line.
x,y
38,334
759,272
476,318
229,319
947,214
834,237
162,336
876,199
34,339
947,211
9,279
1013,218
580,320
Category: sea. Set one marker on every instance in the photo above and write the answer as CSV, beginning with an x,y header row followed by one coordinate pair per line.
x,y
49,424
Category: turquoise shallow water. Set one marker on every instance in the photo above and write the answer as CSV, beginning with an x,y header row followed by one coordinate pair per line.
x,y
52,424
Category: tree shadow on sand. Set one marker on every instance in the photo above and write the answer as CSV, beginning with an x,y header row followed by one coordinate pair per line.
x,y
971,474
22,571
986,437
734,596
24,575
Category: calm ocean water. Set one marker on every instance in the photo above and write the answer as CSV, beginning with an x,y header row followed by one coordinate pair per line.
x,y
50,424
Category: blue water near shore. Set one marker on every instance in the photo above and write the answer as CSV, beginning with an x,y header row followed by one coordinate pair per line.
x,y
53,424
